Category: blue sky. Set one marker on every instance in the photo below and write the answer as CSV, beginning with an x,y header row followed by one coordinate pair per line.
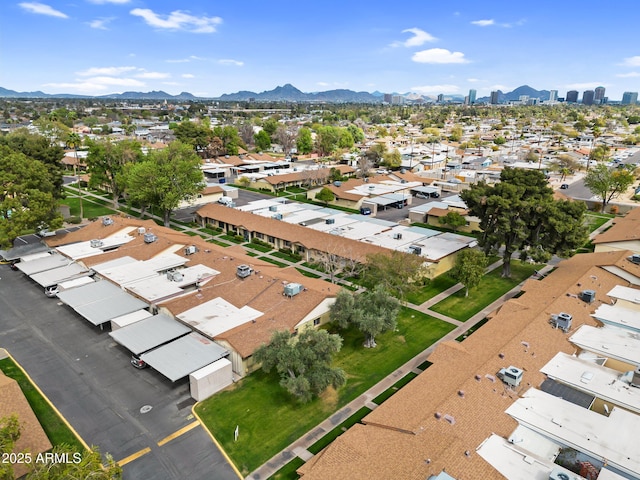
x,y
209,48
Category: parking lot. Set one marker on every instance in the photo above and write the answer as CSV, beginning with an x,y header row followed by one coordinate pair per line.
x,y
129,413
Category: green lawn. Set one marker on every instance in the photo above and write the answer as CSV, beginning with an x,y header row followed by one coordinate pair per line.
x,y
89,208
269,420
231,238
288,472
339,430
275,262
54,427
259,248
286,256
594,221
492,287
435,286
307,274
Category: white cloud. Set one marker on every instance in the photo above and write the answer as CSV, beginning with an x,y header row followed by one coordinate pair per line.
x,y
472,80
178,20
229,61
111,71
436,89
628,75
420,37
322,84
100,23
102,2
42,9
438,55
120,82
483,23
185,60
188,75
154,75
631,61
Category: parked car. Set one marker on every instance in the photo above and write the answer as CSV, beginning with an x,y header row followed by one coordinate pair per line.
x,y
434,195
564,186
421,195
365,211
137,362
51,291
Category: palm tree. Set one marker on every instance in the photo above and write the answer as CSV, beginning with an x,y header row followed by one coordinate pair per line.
x,y
74,141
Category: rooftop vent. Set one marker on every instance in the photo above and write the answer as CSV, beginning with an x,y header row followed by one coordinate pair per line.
x,y
337,183
243,271
292,289
511,375
150,238
96,243
561,321
397,236
330,221
190,250
557,474
273,208
588,296
141,230
106,221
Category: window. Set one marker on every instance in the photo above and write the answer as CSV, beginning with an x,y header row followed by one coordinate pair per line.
x,y
259,236
287,243
271,239
316,322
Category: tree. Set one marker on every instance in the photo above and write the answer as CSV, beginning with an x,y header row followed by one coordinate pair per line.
x,y
356,133
9,435
397,272
519,213
469,268
372,312
393,159
165,178
325,195
194,134
285,136
106,161
262,140
304,144
303,362
89,465
454,220
27,200
608,183
376,153
327,139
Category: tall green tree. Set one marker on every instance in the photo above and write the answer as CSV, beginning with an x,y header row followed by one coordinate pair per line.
x,y
453,219
304,144
399,273
262,140
9,435
325,195
519,213
27,196
84,465
469,268
393,159
327,139
608,183
194,134
372,312
106,162
165,178
303,362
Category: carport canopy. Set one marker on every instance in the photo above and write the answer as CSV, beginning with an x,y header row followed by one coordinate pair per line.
x,y
60,274
149,333
425,190
101,301
184,356
43,264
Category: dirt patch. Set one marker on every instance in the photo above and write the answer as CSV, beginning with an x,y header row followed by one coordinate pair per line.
x,y
330,397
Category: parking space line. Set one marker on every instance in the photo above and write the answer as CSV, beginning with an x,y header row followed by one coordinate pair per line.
x,y
176,434
133,456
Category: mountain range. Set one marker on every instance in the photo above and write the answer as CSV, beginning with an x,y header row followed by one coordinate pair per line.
x,y
285,93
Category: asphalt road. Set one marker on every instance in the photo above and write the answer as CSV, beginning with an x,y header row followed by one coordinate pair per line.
x,y
88,378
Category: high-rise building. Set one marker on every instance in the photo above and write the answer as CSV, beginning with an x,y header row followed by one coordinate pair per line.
x,y
599,95
587,97
572,96
387,98
553,96
440,98
494,98
466,100
629,98
472,96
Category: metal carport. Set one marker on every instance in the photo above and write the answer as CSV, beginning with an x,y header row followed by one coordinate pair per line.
x,y
149,333
181,357
60,274
101,301
42,264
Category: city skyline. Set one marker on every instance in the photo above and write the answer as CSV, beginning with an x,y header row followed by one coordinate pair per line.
x,y
99,47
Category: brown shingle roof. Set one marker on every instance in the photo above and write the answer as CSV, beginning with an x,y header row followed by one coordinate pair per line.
x,y
453,406
623,229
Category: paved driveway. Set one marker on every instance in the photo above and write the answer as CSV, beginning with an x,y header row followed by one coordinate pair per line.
x,y
89,379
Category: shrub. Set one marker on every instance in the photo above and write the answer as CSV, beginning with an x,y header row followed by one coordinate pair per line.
x,y
74,220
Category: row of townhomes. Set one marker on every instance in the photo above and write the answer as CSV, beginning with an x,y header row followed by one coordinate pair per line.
x,y
547,389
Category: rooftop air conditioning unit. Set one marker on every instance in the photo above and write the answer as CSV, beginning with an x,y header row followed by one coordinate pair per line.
x,y
277,216
273,208
635,258
150,238
190,250
511,375
174,276
562,321
330,221
632,377
106,221
416,250
96,243
557,474
397,236
292,289
588,296
141,230
337,183
243,271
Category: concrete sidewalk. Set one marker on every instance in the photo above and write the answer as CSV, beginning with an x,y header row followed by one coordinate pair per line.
x,y
299,447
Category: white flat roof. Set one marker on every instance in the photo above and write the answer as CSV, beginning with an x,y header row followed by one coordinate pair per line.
x,y
617,343
613,438
146,334
439,246
184,356
137,270
43,263
618,316
60,274
84,249
622,273
217,316
129,318
591,378
158,287
625,293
